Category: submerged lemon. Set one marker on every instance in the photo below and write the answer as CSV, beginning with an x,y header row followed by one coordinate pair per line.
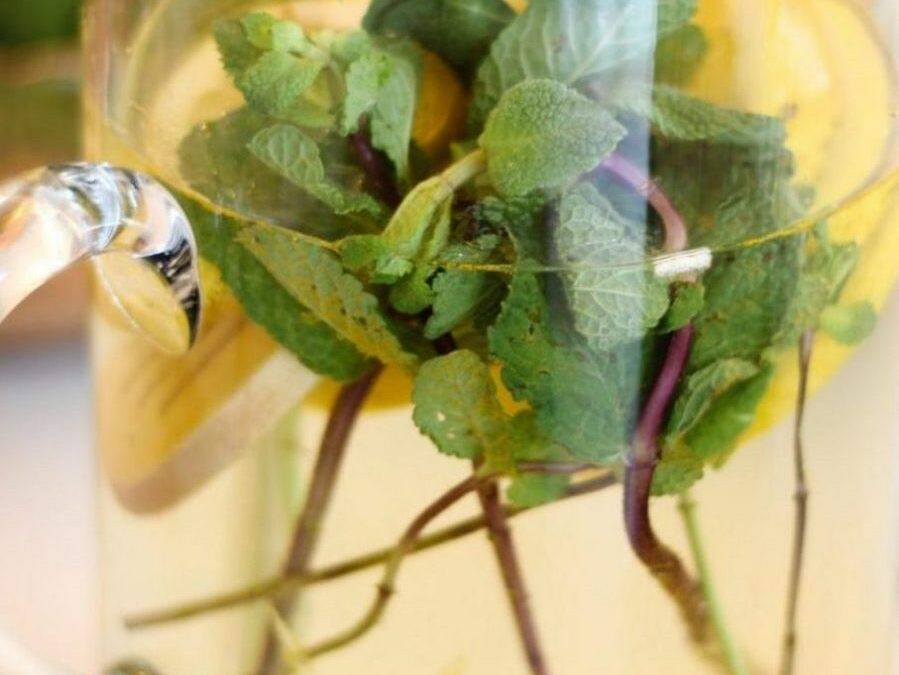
x,y
821,65
166,424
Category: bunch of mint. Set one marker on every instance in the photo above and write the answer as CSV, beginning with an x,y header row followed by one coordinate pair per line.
x,y
351,245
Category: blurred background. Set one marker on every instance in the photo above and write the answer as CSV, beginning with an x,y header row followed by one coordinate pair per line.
x,y
47,578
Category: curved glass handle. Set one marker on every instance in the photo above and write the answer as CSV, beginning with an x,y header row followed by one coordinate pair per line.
x,y
126,222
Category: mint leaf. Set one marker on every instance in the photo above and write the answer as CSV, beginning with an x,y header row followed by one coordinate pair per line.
x,y
266,32
534,489
582,399
274,83
825,269
572,41
748,295
456,406
702,388
461,294
727,193
712,437
679,54
237,51
849,324
274,67
678,116
544,134
315,278
215,160
674,15
372,255
459,31
295,156
613,295
383,84
419,229
687,301
413,294
266,302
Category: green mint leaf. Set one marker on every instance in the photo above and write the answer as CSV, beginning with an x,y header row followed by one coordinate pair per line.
x,y
613,295
544,134
687,301
413,294
571,41
674,15
236,50
679,54
825,269
265,300
520,218
274,67
728,193
456,406
274,83
849,324
679,116
383,84
748,295
459,31
266,32
712,437
215,160
372,255
460,295
419,229
315,278
702,388
364,79
295,156
582,400
534,489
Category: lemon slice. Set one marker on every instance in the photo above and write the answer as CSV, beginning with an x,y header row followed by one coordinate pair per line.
x,y
817,63
167,424
821,65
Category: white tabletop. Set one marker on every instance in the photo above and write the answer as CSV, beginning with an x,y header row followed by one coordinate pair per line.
x,y
47,530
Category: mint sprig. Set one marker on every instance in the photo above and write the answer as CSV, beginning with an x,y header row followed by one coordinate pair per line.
x,y
460,32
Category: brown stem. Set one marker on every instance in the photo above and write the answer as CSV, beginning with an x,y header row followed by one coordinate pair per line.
x,y
359,563
506,555
321,487
510,568
800,496
660,560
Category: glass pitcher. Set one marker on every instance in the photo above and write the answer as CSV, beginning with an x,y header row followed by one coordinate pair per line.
x,y
486,337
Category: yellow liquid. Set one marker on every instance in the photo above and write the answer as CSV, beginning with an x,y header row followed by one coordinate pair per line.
x,y
598,611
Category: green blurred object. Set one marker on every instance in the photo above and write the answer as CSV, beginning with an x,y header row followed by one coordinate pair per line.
x,y
24,21
38,123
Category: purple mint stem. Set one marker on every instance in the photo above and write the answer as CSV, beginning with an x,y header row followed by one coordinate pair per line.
x,y
646,439
625,171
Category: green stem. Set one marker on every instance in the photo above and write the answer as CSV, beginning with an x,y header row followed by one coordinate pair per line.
x,y
458,174
730,655
273,586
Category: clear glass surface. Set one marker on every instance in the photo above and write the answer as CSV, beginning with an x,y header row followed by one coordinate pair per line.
x,y
209,459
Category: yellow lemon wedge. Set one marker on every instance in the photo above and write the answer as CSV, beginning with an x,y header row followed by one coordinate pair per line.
x,y
817,63
821,66
441,109
873,281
